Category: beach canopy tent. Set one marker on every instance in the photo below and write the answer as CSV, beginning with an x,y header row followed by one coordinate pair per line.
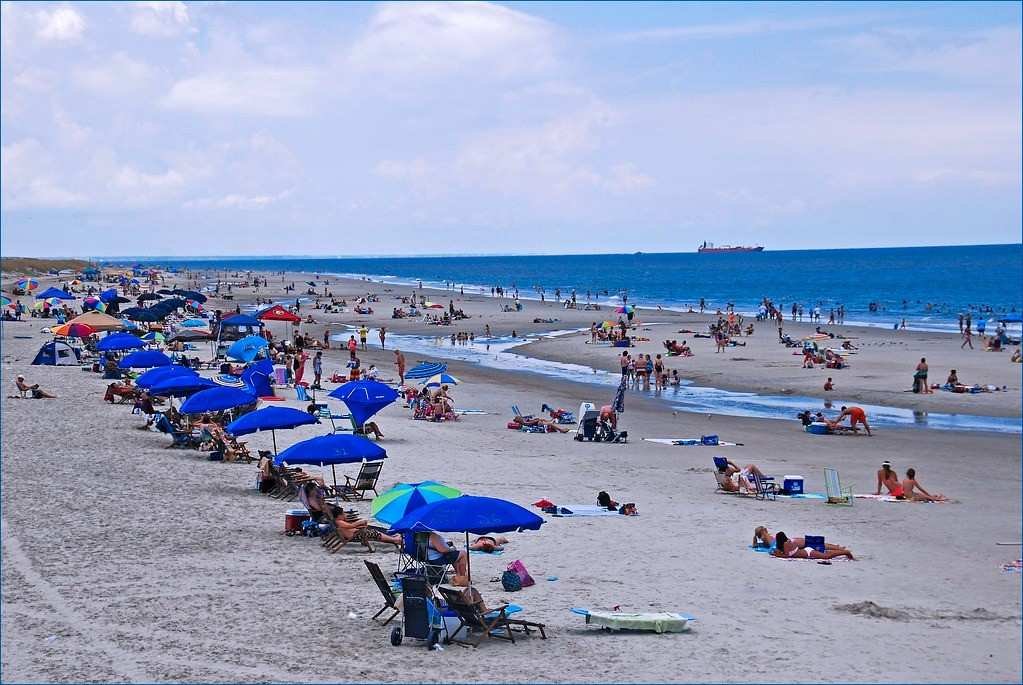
x,y
393,505
426,369
364,398
180,385
119,341
56,353
271,419
98,321
1011,318
217,399
278,313
238,326
248,348
54,292
149,378
256,378
144,359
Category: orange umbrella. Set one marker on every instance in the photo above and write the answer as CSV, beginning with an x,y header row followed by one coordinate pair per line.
x,y
73,330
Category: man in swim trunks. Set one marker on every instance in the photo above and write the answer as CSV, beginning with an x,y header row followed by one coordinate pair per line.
x,y
856,415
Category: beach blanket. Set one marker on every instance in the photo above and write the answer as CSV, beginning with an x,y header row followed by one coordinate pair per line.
x,y
495,553
471,412
890,498
654,621
585,510
805,495
691,442
762,549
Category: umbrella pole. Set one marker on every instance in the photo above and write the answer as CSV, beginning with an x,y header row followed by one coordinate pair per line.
x,y
468,562
334,473
273,434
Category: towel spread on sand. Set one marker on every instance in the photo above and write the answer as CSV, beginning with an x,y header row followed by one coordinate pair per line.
x,y
805,495
690,442
471,412
495,553
586,510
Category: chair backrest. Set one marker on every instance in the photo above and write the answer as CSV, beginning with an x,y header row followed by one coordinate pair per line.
x,y
471,612
300,394
721,463
832,484
368,475
381,582
815,542
720,478
515,410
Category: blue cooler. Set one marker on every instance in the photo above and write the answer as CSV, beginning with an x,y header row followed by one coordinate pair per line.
x,y
792,485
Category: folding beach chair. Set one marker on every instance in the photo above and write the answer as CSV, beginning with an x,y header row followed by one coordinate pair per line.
x,y
474,617
323,412
414,559
300,394
390,597
355,489
766,488
836,494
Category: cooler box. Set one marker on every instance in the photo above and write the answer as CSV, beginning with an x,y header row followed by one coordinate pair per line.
x,y
792,485
293,519
818,428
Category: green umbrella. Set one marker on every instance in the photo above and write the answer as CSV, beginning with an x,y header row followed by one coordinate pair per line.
x,y
403,498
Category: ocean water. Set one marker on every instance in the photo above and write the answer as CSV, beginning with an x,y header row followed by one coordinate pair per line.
x,y
927,286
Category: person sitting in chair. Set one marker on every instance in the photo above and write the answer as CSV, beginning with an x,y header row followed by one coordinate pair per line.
x,y
321,511
32,390
440,552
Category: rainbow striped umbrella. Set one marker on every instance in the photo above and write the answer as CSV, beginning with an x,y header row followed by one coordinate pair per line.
x,y
403,498
27,284
74,330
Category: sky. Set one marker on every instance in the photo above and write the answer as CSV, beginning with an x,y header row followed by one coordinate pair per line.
x,y
168,128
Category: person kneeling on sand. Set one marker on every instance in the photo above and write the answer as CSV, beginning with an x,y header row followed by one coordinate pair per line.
x,y
909,484
790,549
763,538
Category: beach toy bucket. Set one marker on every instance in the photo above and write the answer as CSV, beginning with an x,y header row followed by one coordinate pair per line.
x,y
293,519
792,485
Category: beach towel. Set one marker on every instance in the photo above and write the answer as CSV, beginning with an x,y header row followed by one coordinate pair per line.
x,y
495,553
762,549
657,622
891,498
805,495
569,510
471,412
691,442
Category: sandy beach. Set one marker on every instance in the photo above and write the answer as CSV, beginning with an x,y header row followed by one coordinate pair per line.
x,y
127,561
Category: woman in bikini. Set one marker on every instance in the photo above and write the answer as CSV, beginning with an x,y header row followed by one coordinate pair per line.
x,y
789,549
887,477
489,543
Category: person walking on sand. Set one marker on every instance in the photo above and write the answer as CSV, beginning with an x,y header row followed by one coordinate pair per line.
x,y
967,338
326,339
399,361
352,346
363,334
300,358
383,335
317,369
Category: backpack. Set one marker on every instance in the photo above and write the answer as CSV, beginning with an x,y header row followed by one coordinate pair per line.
x,y
510,581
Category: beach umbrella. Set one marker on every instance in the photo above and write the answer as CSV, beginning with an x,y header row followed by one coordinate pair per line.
x,y
333,449
247,348
625,309
26,284
239,320
155,375
40,305
364,398
195,323
129,325
119,341
146,297
74,330
394,504
99,321
440,379
54,292
154,337
426,369
468,514
189,335
165,291
93,303
4,300
271,419
144,359
181,385
217,399
190,294
229,381
109,295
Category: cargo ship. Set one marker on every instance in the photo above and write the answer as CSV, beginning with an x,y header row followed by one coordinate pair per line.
x,y
710,247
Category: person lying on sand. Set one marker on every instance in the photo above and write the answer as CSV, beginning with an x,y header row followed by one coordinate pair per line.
x,y
33,390
537,421
909,484
890,479
763,538
489,543
789,549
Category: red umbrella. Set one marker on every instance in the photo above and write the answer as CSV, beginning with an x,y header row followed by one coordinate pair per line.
x,y
74,330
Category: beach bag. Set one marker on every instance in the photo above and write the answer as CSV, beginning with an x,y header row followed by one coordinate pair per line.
x,y
510,581
709,440
519,568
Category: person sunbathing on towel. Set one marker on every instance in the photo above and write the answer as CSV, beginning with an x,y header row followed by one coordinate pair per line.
x,y
910,484
763,538
537,421
790,549
489,543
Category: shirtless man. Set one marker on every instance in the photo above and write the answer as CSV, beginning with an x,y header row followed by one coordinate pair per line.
x,y
440,398
909,484
399,361
856,415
